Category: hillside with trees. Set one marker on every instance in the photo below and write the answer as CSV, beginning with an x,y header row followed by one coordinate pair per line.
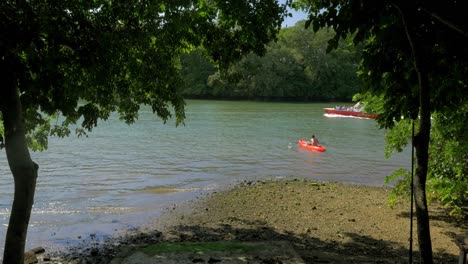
x,y
297,67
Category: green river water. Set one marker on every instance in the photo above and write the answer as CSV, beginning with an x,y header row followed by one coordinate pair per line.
x,y
121,176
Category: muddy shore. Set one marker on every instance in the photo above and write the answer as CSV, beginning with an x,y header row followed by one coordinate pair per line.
x,y
324,222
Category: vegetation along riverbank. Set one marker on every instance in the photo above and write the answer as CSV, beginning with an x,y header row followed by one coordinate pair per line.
x,y
324,222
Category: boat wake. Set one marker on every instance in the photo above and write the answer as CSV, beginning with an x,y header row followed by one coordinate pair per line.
x,y
346,116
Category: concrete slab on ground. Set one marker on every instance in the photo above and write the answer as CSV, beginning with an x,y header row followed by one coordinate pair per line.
x,y
223,252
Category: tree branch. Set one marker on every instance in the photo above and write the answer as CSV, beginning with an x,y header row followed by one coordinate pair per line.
x,y
444,21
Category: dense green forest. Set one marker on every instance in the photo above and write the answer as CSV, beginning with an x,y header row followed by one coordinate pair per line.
x,y
296,67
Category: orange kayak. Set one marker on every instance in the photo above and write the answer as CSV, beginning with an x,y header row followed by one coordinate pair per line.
x,y
305,144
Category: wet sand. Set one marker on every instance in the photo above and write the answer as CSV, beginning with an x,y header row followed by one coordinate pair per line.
x,y
324,222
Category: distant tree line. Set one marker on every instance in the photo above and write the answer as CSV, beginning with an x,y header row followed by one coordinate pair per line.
x,y
295,68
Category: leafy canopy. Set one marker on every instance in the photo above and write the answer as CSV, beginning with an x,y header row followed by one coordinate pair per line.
x,y
387,67
82,60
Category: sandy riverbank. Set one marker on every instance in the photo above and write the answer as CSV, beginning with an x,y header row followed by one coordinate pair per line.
x,y
325,223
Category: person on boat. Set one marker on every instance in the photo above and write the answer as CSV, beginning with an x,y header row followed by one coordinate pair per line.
x,y
314,141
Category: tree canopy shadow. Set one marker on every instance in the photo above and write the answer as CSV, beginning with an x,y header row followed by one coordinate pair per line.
x,y
441,215
352,247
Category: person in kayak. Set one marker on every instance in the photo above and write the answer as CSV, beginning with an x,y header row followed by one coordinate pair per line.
x,y
314,141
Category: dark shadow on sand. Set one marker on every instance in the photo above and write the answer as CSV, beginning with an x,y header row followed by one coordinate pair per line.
x,y
354,248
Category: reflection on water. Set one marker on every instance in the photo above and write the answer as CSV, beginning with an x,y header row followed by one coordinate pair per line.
x,y
122,176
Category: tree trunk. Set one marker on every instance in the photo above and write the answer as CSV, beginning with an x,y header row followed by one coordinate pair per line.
x,y
24,172
421,140
422,158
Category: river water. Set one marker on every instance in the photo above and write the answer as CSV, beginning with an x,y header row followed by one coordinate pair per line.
x,y
121,177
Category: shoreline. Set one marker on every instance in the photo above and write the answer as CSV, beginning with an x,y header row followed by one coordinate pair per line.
x,y
334,222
